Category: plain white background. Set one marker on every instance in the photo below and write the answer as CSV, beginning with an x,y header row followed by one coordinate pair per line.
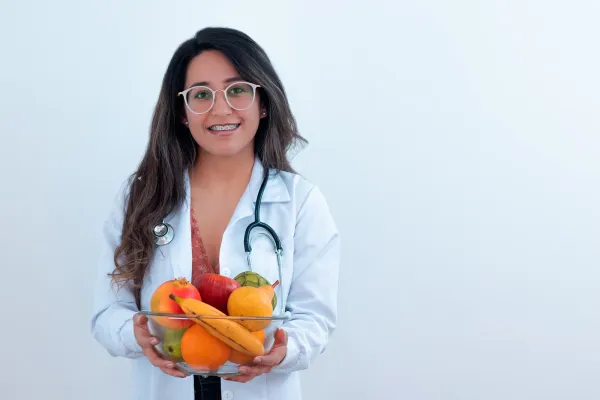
x,y
456,141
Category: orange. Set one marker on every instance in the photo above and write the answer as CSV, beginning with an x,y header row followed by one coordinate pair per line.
x,y
201,350
241,358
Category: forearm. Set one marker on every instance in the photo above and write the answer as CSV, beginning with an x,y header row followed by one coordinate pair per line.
x,y
312,303
307,338
112,327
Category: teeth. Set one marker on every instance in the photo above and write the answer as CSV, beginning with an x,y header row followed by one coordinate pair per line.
x,y
223,127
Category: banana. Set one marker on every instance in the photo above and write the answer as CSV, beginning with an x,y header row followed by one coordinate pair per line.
x,y
229,331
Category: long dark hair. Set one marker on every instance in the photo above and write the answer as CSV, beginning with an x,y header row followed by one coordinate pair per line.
x,y
157,186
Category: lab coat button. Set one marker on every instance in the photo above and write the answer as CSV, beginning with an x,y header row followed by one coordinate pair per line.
x,y
227,395
226,272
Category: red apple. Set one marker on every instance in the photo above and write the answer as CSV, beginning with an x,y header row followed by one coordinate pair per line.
x,y
161,303
215,289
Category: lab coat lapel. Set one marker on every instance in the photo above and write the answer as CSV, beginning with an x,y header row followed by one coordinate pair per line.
x,y
275,191
244,208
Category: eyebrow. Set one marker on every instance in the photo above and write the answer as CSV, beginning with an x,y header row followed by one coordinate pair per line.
x,y
228,80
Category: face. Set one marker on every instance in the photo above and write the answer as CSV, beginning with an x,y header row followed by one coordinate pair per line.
x,y
223,130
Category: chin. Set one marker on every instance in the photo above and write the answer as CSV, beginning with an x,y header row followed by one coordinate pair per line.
x,y
225,149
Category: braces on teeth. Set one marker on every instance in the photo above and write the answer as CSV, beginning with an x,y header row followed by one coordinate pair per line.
x,y
223,127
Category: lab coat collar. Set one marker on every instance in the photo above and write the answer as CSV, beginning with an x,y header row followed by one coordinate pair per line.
x,y
275,192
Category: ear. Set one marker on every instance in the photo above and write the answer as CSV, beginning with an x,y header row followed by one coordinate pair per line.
x,y
263,112
184,121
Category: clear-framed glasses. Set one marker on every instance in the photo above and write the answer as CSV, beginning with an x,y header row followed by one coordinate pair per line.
x,y
200,99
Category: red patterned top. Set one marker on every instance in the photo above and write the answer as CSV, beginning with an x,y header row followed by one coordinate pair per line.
x,y
200,262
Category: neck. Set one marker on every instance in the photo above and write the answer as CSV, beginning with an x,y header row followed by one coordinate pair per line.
x,y
218,171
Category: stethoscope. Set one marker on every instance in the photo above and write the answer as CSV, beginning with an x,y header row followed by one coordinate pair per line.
x,y
164,233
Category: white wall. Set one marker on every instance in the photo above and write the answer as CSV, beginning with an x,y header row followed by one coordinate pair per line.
x,y
468,130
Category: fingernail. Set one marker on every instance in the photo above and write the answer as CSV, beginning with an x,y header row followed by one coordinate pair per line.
x,y
244,370
154,341
170,365
258,360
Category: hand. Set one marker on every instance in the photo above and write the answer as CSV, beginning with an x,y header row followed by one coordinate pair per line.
x,y
147,342
264,364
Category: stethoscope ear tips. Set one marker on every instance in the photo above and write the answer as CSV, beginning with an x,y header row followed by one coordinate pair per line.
x,y
163,233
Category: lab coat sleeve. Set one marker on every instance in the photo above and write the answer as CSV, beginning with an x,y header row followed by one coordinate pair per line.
x,y
312,299
113,306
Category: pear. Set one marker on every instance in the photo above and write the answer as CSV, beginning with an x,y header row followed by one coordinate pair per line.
x,y
172,343
249,301
249,278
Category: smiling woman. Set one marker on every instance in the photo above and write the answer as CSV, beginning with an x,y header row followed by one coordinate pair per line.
x,y
214,119
220,135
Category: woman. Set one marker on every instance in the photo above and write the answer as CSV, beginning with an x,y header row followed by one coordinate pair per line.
x,y
222,123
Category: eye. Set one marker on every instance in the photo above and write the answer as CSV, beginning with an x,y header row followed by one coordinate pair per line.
x,y
240,89
202,94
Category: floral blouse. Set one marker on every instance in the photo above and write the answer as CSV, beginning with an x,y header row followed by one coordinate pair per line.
x,y
200,262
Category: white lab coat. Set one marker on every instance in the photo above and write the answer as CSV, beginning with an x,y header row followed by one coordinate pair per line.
x,y
298,212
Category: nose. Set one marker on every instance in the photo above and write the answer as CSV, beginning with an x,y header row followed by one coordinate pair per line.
x,y
220,107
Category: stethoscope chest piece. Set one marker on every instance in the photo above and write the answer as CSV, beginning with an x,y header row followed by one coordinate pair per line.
x,y
163,233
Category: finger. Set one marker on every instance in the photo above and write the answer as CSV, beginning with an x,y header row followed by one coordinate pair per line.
x,y
156,360
254,370
240,379
145,340
173,372
281,337
153,357
280,341
139,319
142,334
142,324
273,358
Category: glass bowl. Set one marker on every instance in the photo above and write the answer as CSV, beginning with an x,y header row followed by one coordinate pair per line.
x,y
211,345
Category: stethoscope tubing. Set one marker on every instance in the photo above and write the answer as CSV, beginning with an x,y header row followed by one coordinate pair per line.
x,y
257,222
163,234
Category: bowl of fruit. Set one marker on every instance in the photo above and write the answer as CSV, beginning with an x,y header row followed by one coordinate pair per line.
x,y
214,327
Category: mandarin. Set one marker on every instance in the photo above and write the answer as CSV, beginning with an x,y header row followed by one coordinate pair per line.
x,y
201,350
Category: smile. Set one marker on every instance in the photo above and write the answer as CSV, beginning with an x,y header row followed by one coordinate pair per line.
x,y
223,128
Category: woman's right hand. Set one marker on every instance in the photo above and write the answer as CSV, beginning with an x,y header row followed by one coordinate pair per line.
x,y
147,343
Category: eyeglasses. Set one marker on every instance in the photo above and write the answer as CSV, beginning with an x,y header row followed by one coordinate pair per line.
x,y
200,99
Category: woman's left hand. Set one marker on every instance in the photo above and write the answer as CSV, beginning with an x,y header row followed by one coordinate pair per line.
x,y
264,364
